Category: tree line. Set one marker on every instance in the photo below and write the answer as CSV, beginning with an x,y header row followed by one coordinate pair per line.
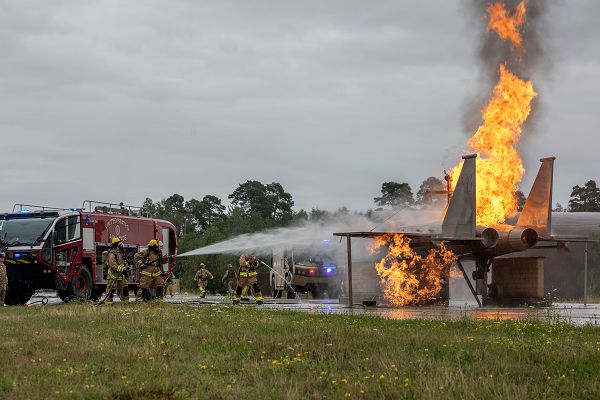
x,y
255,206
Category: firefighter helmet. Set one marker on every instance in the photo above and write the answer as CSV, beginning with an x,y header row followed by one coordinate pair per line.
x,y
202,265
153,243
116,240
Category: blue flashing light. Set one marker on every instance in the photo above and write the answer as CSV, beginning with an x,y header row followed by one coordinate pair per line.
x,y
328,270
24,211
17,255
326,240
74,209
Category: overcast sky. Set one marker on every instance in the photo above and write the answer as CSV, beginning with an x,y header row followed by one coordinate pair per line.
x,y
121,100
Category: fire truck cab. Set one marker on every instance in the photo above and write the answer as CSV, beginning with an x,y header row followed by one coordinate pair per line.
x,y
54,248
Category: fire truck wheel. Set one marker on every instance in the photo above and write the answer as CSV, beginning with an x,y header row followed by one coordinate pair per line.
x,y
333,292
81,284
63,294
316,292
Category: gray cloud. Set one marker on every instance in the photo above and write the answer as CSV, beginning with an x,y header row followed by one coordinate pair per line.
x,y
119,101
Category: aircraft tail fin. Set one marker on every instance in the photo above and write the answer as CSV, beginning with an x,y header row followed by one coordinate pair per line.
x,y
537,212
459,220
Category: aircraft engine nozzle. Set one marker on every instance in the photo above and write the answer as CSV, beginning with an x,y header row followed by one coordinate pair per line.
x,y
489,237
517,239
504,239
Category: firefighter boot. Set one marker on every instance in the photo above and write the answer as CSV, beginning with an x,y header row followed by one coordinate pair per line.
x,y
160,294
259,299
124,295
109,297
238,295
244,296
142,295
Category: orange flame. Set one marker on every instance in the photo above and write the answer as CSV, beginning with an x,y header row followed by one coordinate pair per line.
x,y
500,168
506,26
407,277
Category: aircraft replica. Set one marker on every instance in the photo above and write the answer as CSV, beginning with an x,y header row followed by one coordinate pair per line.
x,y
481,244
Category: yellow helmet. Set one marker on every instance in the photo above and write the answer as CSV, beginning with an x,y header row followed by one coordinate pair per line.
x,y
202,265
116,240
153,243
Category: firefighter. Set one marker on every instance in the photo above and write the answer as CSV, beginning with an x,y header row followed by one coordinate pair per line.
x,y
247,279
116,273
229,280
202,277
3,277
150,263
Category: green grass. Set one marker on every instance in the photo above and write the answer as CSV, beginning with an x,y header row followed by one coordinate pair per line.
x,y
165,351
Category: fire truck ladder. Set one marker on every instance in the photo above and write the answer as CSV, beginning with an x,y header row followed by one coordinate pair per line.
x,y
27,207
114,208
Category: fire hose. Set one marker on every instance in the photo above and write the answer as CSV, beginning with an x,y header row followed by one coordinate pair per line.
x,y
43,301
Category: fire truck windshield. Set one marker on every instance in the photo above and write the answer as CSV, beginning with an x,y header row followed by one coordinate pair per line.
x,y
24,231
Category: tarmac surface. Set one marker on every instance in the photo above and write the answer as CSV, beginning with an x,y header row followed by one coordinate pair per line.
x,y
573,313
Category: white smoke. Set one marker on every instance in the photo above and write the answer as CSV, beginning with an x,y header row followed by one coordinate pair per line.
x,y
316,233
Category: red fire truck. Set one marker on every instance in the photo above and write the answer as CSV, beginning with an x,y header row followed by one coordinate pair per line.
x,y
54,248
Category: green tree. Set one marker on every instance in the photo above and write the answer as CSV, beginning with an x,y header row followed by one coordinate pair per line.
x,y
316,214
281,202
205,212
301,215
251,196
585,198
424,195
271,201
149,207
395,194
173,210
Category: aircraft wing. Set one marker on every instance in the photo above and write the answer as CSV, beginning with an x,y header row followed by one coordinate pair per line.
x,y
569,239
416,237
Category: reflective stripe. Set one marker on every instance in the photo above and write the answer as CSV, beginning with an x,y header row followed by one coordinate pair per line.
x,y
246,274
114,277
151,274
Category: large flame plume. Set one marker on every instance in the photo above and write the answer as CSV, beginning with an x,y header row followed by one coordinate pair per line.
x,y
500,167
411,278
407,277
505,25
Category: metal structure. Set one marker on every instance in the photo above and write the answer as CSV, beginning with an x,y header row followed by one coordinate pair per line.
x,y
113,208
482,244
30,207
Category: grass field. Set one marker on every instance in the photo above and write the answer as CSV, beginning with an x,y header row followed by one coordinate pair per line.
x,y
164,351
